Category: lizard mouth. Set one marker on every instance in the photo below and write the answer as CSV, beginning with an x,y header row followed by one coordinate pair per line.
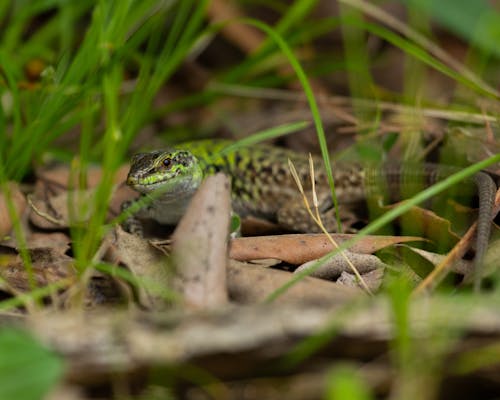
x,y
132,181
145,186
135,181
166,187
149,181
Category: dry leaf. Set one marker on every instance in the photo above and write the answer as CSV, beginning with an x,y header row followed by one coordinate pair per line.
x,y
53,212
460,266
58,241
248,283
299,248
51,197
48,266
145,262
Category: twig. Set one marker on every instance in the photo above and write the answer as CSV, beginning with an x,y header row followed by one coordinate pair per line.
x,y
43,214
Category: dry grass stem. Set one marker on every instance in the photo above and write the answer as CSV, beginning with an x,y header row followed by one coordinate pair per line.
x,y
313,187
317,218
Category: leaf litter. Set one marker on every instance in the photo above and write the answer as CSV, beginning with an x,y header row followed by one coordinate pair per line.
x,y
192,307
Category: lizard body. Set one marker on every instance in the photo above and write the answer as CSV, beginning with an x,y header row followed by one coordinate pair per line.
x,y
260,178
262,185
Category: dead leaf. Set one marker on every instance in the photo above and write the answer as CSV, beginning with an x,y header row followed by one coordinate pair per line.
x,y
248,283
145,262
53,212
48,266
300,248
51,198
460,266
58,241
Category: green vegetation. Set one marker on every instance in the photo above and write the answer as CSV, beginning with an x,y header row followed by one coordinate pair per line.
x,y
27,370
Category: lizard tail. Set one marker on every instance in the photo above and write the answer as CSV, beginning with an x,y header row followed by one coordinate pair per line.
x,y
486,189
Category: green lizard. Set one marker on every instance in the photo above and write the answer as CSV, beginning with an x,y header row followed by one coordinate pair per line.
x,y
262,185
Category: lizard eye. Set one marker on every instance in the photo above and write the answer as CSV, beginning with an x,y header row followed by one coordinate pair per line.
x,y
167,162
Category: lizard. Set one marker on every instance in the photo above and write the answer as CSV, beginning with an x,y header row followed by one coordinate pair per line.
x,y
262,186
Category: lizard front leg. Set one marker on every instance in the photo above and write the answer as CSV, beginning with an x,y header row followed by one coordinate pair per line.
x,y
132,223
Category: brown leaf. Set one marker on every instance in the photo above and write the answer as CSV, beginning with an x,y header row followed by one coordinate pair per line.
x,y
32,239
460,266
465,267
50,199
53,212
147,263
48,266
58,241
248,283
300,248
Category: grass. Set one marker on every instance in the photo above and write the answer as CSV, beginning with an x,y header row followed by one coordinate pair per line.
x,y
85,85
103,67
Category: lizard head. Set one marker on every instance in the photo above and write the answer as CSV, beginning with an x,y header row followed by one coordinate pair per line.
x,y
173,172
